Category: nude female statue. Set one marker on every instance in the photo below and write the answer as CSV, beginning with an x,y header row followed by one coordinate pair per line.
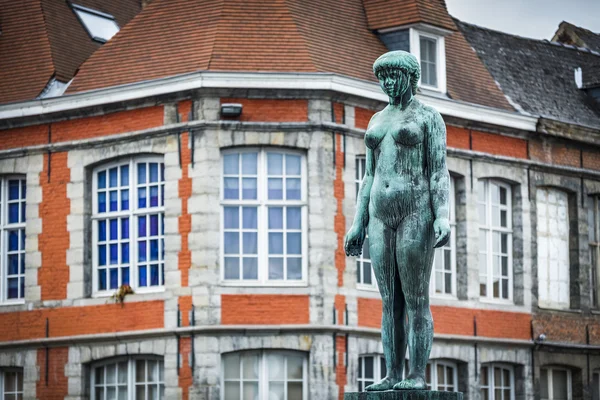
x,y
403,201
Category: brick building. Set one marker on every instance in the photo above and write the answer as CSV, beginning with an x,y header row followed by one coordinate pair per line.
x,y
229,227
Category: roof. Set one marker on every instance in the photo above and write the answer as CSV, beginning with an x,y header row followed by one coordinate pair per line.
x,y
43,39
538,76
383,14
568,33
269,36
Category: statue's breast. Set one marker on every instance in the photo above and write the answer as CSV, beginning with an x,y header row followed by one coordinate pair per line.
x,y
373,137
409,134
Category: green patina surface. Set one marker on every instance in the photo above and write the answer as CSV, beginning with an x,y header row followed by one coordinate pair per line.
x,y
405,395
403,204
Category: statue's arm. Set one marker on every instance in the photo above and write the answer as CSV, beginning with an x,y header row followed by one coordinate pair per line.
x,y
439,178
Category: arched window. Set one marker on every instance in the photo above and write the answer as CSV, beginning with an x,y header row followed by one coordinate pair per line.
x,y
264,216
553,248
128,379
555,383
371,368
11,383
495,240
264,374
497,382
12,238
128,228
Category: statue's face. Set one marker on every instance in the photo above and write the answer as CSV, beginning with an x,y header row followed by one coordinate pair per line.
x,y
394,82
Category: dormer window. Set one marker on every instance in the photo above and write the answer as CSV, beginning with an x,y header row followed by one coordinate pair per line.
x,y
100,26
429,49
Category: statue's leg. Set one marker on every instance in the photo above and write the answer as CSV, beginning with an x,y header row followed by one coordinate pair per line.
x,y
381,246
414,254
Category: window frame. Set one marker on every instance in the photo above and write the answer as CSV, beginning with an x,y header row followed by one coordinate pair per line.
x,y
489,228
415,48
360,164
378,361
86,10
263,377
131,379
593,206
451,245
433,364
133,212
262,203
5,226
549,370
490,378
3,371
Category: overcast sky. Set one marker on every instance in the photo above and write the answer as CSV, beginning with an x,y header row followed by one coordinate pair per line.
x,y
530,18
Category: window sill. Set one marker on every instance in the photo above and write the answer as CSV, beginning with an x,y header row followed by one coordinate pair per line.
x,y
497,301
263,284
12,303
565,310
443,296
367,288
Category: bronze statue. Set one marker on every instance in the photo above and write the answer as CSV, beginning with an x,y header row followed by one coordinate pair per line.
x,y
403,201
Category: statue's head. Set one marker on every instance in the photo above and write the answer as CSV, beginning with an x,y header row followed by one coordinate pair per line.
x,y
397,71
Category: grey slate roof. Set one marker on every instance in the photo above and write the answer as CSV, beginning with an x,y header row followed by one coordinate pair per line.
x,y
537,76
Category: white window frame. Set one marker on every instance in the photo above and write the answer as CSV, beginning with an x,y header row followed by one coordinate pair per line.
x,y
489,254
4,228
490,378
451,245
263,376
132,213
81,10
593,206
549,371
3,371
433,364
415,49
378,375
131,378
360,169
262,204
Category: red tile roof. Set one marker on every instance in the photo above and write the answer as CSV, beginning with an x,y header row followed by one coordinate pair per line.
x,y
172,37
42,39
383,14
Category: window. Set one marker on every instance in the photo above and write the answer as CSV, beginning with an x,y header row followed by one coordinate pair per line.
x,y
100,26
594,240
365,277
553,248
428,47
264,216
371,369
596,386
495,240
254,375
133,378
497,382
12,239
128,228
11,383
555,384
443,276
441,375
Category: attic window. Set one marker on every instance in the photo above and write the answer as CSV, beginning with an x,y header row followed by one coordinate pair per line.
x,y
429,48
100,26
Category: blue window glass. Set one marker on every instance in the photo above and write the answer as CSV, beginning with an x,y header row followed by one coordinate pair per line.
x,y
232,268
231,190
292,190
154,250
142,226
23,189
125,276
249,189
154,225
102,279
125,200
292,165
250,240
102,254
124,175
102,230
142,251
125,228
114,229
102,180
275,268
232,243
142,197
153,172
294,243
13,288
275,243
294,268
153,196
124,253
22,212
22,264
13,264
232,218
22,235
114,200
13,190
154,275
250,268
141,173
13,240
142,278
13,213
250,218
114,278
22,287
294,218
101,202
231,164
113,175
275,218
114,254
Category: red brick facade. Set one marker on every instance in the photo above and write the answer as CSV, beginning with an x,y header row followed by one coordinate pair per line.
x,y
264,309
271,110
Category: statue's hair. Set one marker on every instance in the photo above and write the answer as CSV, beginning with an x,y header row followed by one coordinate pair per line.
x,y
403,61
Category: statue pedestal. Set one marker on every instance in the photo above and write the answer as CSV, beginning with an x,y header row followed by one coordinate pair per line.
x,y
404,395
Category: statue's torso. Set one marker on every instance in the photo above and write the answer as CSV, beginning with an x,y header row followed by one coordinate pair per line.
x,y
401,182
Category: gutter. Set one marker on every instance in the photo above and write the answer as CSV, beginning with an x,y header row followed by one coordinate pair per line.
x,y
258,80
243,330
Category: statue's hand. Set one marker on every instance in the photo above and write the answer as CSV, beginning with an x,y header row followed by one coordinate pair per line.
x,y
353,242
441,227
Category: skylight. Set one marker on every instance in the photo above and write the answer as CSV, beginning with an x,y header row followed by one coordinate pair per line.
x,y
100,26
